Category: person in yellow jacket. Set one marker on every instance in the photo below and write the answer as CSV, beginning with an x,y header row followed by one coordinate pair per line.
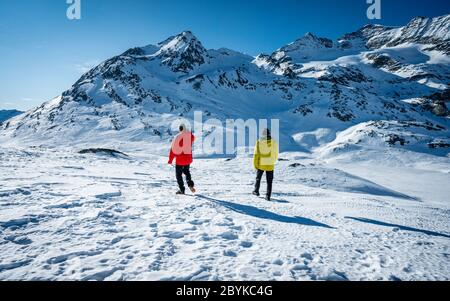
x,y
265,158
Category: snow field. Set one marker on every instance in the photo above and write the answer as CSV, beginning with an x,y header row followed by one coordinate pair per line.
x,y
83,217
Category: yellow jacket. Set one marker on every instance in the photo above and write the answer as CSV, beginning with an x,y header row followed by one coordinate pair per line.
x,y
266,155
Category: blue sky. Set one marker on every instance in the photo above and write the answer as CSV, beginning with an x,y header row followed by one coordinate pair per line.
x,y
42,52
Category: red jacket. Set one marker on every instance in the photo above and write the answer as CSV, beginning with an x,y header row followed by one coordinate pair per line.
x,y
181,149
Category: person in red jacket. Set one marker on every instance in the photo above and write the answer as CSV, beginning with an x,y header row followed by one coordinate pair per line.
x,y
181,152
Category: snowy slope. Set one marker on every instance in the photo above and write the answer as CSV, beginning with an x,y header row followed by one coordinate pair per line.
x,y
424,31
82,217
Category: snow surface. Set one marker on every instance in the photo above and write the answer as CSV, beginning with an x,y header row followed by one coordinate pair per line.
x,y
66,216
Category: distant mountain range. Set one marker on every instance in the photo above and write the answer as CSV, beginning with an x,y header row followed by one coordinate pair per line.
x,y
8,114
382,85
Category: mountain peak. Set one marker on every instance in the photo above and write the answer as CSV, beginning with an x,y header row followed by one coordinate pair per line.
x,y
180,42
187,34
182,51
309,40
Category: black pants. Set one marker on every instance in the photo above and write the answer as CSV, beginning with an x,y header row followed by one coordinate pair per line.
x,y
269,177
180,170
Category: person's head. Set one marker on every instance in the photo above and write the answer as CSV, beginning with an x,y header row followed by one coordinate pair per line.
x,y
266,134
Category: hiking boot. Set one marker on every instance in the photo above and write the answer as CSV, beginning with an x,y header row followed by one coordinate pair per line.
x,y
268,198
256,193
179,192
193,189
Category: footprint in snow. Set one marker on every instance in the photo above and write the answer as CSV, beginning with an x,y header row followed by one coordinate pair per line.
x,y
14,265
19,240
278,262
70,205
225,222
198,222
229,235
335,276
246,244
300,267
205,237
110,195
6,193
189,242
229,253
307,256
21,222
173,234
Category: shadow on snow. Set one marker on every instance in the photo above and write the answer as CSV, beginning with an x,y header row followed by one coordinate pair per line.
x,y
404,228
264,214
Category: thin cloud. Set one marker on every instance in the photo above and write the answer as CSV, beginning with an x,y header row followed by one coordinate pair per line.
x,y
86,66
28,99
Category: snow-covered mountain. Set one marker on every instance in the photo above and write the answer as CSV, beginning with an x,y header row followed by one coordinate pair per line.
x,y
8,114
395,77
425,31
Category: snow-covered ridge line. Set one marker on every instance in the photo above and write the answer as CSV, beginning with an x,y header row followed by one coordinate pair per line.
x,y
313,85
433,32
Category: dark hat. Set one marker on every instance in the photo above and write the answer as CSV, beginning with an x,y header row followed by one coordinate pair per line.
x,y
266,133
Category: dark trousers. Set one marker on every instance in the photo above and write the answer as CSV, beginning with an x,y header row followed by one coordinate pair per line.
x,y
180,170
269,177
